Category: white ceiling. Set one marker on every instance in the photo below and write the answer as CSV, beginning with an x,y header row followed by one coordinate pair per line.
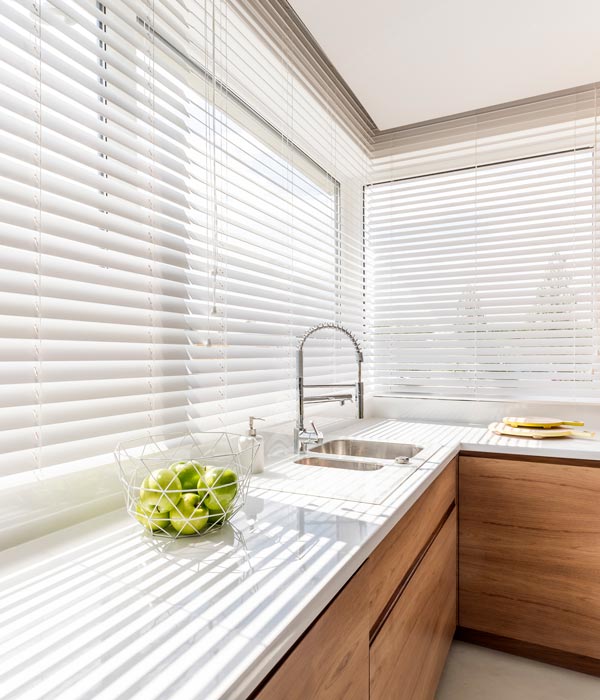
x,y
412,60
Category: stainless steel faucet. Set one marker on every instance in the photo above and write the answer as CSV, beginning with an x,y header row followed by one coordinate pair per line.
x,y
303,437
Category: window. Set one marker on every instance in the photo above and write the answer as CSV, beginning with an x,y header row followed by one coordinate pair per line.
x,y
162,244
484,280
262,268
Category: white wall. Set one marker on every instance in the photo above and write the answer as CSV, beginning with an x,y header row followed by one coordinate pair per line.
x,y
477,412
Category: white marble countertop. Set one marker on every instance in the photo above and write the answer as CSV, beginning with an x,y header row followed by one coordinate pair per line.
x,y
101,611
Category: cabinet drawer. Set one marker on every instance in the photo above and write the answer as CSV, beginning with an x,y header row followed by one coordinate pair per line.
x,y
393,558
529,552
331,662
409,652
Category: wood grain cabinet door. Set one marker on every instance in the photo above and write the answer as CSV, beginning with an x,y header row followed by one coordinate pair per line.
x,y
409,652
331,662
392,559
529,552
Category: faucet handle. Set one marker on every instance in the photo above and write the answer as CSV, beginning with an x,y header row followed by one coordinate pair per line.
x,y
306,437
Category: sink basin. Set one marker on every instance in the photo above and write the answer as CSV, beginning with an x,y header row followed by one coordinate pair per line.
x,y
369,448
354,464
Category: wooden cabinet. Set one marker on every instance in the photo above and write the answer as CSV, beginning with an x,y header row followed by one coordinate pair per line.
x,y
388,632
529,553
409,652
391,561
528,573
331,662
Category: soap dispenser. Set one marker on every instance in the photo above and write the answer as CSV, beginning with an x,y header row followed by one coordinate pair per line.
x,y
251,439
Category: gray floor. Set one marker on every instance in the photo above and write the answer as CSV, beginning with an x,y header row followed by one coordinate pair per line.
x,y
475,673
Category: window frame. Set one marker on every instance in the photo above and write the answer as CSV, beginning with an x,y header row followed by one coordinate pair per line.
x,y
467,395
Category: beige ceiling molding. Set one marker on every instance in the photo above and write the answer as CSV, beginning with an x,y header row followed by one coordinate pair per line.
x,y
281,26
384,139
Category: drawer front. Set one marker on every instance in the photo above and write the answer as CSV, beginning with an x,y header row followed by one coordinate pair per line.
x,y
529,552
331,662
393,558
409,652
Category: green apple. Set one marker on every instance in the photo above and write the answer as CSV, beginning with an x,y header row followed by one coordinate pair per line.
x,y
189,517
217,518
188,473
202,486
221,488
160,490
151,519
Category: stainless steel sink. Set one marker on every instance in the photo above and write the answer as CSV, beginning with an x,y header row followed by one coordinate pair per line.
x,y
354,464
399,452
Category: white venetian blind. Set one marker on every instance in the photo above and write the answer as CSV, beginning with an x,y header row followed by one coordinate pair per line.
x,y
485,275
162,242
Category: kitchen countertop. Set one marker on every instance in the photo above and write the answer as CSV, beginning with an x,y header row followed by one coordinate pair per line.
x,y
101,611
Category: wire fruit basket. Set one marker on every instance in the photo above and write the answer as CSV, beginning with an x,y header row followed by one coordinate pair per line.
x,y
184,484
